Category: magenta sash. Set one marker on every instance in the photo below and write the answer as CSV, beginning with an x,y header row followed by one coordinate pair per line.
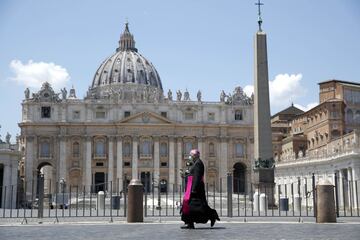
x,y
186,200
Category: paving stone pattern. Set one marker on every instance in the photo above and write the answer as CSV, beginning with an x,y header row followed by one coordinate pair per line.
x,y
171,230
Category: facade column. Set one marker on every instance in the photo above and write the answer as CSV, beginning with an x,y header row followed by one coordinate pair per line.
x,y
62,171
171,181
350,189
6,190
135,157
202,154
110,164
29,164
156,160
355,178
341,189
224,162
14,180
87,180
179,162
119,163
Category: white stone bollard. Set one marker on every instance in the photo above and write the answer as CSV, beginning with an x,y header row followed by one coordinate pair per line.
x,y
262,202
101,200
297,203
256,201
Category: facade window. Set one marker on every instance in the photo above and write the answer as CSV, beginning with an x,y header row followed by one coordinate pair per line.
x,y
357,116
45,112
126,164
211,149
127,114
127,149
163,149
76,115
76,149
188,148
189,115
163,164
334,114
100,150
164,114
145,149
45,149
238,115
211,116
239,150
100,114
99,164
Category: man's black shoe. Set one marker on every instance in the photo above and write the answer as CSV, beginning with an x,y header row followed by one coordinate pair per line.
x,y
212,222
188,226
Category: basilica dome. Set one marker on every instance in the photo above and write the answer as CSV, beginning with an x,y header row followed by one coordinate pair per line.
x,y
126,68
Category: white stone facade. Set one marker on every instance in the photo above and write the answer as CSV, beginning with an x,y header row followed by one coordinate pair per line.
x,y
213,129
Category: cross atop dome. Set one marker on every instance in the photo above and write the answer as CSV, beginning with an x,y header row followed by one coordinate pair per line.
x,y
127,41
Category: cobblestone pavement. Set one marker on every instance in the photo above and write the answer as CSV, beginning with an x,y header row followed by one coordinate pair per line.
x,y
171,230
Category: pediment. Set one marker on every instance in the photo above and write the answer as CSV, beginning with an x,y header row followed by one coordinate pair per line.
x,y
146,118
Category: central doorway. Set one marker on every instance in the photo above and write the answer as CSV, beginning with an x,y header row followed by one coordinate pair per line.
x,y
99,181
239,180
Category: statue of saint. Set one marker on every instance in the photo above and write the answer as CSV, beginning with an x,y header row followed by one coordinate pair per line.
x,y
222,96
27,93
64,93
8,137
199,96
178,95
170,98
186,95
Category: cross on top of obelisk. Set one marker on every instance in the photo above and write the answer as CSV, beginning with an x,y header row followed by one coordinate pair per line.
x,y
259,3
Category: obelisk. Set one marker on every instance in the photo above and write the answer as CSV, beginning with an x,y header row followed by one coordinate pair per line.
x,y
263,177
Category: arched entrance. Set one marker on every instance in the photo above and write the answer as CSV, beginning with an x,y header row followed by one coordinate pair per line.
x,y
47,171
239,180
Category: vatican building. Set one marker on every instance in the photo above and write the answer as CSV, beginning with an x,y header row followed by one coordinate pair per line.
x,y
127,126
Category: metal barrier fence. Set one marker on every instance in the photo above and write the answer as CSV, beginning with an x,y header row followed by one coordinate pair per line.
x,y
296,199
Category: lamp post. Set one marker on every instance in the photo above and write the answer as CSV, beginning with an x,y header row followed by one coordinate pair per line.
x,y
62,184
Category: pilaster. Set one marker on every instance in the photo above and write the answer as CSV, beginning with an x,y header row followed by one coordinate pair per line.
x,y
88,179
135,157
119,163
171,181
179,160
156,160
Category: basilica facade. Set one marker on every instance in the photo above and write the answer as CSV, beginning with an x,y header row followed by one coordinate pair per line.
x,y
128,127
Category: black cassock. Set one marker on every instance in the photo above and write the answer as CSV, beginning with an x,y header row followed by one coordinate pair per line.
x,y
195,208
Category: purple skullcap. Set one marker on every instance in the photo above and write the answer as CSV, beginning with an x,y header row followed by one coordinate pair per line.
x,y
195,152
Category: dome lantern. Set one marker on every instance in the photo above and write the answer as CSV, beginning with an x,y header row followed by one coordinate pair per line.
x,y
126,41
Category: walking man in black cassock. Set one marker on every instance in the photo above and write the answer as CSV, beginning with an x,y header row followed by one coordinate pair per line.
x,y
195,208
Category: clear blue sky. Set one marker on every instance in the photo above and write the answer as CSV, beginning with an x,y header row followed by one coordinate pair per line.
x,y
194,44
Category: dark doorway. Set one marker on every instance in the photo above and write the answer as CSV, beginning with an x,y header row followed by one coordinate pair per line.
x,y
239,178
145,180
1,183
99,181
163,186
